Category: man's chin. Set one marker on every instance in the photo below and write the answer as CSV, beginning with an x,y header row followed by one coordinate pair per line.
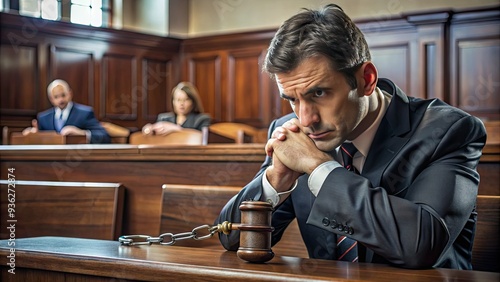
x,y
325,146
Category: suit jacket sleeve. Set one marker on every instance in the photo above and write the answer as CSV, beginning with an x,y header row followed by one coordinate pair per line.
x,y
98,133
46,120
202,120
170,117
252,191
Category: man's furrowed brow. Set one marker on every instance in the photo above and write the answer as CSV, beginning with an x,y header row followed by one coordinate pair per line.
x,y
286,97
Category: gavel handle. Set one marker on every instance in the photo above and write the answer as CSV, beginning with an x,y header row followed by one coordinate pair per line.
x,y
226,227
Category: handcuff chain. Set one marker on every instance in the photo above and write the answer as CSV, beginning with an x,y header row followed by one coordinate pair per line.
x,y
131,240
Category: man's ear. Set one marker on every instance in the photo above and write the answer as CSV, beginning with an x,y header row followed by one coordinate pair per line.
x,y
370,77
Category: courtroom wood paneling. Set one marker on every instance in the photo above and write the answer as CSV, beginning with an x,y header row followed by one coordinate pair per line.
x,y
384,56
204,70
18,97
119,80
410,51
475,57
245,83
76,66
432,62
232,85
477,84
158,81
242,92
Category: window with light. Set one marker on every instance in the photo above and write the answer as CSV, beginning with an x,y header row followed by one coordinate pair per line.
x,y
86,12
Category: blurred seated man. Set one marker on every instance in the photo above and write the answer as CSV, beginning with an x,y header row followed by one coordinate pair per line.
x,y
67,117
187,112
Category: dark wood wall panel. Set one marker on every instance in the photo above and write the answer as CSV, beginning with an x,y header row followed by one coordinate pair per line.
x,y
204,71
478,78
278,106
19,97
384,58
120,90
157,85
431,57
244,81
231,84
412,52
475,57
77,68
432,83
242,93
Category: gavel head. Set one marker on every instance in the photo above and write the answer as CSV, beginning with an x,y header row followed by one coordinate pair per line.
x,y
255,232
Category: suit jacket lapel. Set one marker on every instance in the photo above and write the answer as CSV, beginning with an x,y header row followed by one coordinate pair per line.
x,y
72,116
51,124
388,139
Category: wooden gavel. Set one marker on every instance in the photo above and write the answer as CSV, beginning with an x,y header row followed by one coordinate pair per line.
x,y
255,231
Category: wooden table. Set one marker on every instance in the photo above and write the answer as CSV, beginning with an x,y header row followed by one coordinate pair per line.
x,y
74,259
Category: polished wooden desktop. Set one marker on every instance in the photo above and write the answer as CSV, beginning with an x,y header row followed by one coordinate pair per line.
x,y
73,259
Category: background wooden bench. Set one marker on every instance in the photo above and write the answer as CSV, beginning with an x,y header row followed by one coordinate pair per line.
x,y
486,248
233,132
70,209
185,207
45,138
117,133
186,136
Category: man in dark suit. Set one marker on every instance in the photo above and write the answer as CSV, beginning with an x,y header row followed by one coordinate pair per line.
x,y
407,199
67,117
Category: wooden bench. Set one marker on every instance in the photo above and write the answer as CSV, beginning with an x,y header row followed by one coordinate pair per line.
x,y
486,248
185,207
186,136
117,133
45,138
70,209
233,132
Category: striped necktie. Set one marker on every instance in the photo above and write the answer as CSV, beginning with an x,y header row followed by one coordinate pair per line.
x,y
348,248
59,122
348,150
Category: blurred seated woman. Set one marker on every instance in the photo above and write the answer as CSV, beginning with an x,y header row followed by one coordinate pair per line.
x,y
187,112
